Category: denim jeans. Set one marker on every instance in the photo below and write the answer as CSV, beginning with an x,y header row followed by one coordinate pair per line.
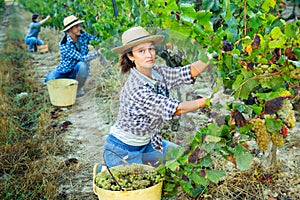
x,y
80,73
117,153
32,42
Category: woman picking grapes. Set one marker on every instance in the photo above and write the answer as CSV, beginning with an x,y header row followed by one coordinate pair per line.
x,y
145,102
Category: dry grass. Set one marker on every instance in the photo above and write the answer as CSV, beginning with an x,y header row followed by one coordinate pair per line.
x,y
240,185
29,164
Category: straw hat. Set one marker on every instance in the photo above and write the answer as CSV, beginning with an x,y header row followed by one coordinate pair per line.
x,y
71,21
134,36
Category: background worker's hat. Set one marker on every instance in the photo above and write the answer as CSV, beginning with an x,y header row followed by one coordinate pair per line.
x,y
71,21
134,36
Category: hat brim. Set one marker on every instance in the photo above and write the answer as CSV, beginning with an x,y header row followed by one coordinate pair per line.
x,y
155,38
70,26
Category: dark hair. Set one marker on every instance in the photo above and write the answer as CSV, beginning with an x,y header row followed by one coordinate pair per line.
x,y
34,17
125,63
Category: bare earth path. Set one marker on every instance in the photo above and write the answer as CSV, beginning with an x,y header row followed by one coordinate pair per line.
x,y
90,123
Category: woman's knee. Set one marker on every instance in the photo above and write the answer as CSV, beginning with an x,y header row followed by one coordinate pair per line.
x,y
40,42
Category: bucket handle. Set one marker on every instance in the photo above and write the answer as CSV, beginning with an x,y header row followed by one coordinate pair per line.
x,y
122,189
72,84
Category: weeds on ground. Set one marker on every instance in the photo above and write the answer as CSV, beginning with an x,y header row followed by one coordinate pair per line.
x,y
28,168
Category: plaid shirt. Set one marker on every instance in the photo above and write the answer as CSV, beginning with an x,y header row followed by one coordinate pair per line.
x,y
70,55
144,105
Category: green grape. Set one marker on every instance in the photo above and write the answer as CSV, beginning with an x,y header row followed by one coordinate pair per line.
x,y
129,177
290,121
287,114
277,139
296,74
262,135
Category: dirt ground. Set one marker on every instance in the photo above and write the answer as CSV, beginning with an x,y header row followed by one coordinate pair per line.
x,y
92,115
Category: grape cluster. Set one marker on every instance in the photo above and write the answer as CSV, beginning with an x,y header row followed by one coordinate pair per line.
x,y
277,139
262,69
262,135
296,74
287,114
130,177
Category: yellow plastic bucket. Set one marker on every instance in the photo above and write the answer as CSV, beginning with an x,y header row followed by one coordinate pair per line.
x,y
62,92
151,193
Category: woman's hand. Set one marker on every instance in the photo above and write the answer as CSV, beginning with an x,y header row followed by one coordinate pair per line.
x,y
190,106
42,21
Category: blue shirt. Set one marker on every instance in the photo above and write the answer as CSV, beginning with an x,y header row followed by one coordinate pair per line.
x,y
71,55
34,29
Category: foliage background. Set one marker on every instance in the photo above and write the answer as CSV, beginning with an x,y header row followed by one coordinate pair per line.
x,y
203,26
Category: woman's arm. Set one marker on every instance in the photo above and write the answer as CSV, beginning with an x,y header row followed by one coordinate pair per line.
x,y
198,67
190,106
44,20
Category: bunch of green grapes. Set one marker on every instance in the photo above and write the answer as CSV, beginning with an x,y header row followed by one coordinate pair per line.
x,y
296,74
262,135
277,138
262,69
287,114
129,177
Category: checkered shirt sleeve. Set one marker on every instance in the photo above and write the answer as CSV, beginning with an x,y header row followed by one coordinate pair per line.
x,y
175,77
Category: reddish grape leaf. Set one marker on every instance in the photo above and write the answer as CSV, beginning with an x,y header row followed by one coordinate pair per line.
x,y
256,42
273,105
266,178
194,156
232,160
276,55
289,53
184,177
237,118
202,173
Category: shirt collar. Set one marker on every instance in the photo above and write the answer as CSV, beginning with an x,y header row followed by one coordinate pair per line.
x,y
155,77
69,39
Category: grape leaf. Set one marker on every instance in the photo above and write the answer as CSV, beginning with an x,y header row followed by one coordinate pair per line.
x,y
245,89
268,4
243,158
215,175
172,165
206,161
273,124
199,180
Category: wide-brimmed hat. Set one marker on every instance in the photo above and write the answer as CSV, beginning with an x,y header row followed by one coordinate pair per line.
x,y
134,36
71,21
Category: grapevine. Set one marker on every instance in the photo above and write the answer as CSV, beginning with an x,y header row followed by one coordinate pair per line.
x,y
258,58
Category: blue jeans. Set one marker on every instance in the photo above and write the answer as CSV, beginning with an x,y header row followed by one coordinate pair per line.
x,y
80,73
115,150
32,42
